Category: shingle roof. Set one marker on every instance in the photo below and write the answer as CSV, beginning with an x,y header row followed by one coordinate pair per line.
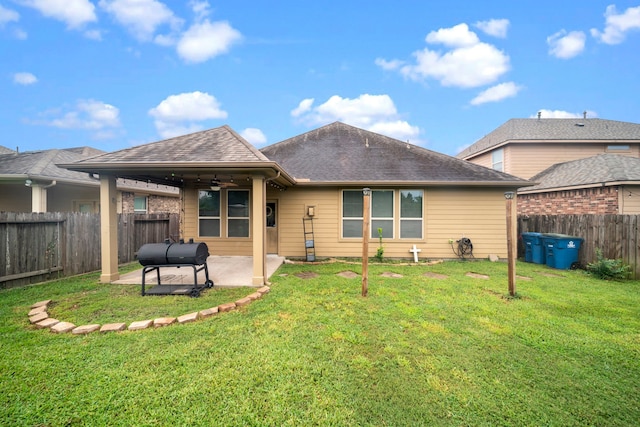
x,y
220,144
342,153
42,164
578,130
601,169
5,150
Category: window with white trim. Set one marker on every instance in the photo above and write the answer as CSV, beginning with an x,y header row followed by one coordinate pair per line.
x,y
352,213
238,213
411,218
209,213
140,204
497,159
382,213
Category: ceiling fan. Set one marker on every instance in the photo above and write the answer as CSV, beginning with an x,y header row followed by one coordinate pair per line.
x,y
216,184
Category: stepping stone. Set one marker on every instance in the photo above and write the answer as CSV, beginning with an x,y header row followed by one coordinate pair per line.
x,y
41,303
38,317
47,323
307,275
140,324
113,327
186,318
62,327
348,274
243,301
163,321
209,312
227,307
264,290
393,275
38,310
435,275
477,276
85,329
254,296
523,277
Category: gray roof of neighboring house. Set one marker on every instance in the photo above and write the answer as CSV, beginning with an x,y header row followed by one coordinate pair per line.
x,y
596,170
340,153
5,150
579,130
42,164
218,145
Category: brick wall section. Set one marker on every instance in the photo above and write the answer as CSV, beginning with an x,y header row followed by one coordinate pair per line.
x,y
595,201
155,203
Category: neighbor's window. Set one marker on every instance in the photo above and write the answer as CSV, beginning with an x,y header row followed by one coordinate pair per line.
x,y
140,204
209,213
352,210
238,213
618,147
382,213
411,214
497,160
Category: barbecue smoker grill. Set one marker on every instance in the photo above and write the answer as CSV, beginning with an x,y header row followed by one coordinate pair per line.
x,y
154,256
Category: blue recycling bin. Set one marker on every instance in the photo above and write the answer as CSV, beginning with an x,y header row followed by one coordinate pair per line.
x,y
561,250
533,248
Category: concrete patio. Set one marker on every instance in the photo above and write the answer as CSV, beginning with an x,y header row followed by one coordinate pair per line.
x,y
225,271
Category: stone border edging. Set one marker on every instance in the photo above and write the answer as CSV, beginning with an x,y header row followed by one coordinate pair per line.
x,y
39,316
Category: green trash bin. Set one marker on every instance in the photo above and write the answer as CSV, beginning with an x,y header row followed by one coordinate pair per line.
x,y
561,250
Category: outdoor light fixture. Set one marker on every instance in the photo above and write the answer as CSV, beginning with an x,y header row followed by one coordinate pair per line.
x,y
28,183
366,191
509,195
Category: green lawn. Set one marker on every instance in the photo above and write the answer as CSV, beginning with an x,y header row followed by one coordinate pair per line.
x,y
417,351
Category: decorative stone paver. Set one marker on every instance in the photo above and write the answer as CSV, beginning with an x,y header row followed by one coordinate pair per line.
x,y
186,318
140,324
477,276
348,274
40,317
163,321
85,329
392,275
307,275
113,327
435,275
62,327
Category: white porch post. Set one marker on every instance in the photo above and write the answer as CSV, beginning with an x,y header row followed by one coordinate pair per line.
x,y
109,229
258,202
38,198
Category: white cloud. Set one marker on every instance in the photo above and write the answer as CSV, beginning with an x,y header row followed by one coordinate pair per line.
x,y
559,114
205,40
141,17
566,45
494,27
372,112
617,25
8,15
497,93
180,114
24,79
470,63
87,114
254,136
75,13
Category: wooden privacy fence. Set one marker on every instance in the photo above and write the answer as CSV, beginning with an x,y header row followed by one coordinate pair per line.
x,y
615,235
41,246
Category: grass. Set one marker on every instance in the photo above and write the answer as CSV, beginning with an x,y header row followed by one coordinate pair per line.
x,y
416,351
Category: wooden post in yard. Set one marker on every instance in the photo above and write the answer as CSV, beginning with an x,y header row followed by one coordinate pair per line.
x,y
511,243
366,193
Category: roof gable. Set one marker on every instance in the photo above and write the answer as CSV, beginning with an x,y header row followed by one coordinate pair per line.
x,y
596,170
342,153
553,130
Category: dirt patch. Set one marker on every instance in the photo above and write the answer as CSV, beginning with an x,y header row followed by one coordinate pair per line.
x,y
435,275
550,275
307,275
477,275
393,275
348,274
523,278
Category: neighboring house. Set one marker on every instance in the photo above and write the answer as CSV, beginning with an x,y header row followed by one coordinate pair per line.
x,y
603,184
32,182
244,201
525,147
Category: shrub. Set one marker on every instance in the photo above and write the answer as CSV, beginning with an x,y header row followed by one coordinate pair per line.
x,y
608,269
380,251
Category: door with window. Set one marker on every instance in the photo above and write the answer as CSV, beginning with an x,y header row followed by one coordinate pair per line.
x,y
272,226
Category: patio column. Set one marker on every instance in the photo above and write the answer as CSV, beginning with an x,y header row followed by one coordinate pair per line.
x,y
38,198
258,203
108,229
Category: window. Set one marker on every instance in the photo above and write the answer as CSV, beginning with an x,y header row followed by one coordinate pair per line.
x,y
497,160
238,213
209,213
382,213
140,204
618,148
411,214
352,209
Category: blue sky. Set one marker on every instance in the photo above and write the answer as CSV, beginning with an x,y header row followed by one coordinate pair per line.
x,y
112,74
